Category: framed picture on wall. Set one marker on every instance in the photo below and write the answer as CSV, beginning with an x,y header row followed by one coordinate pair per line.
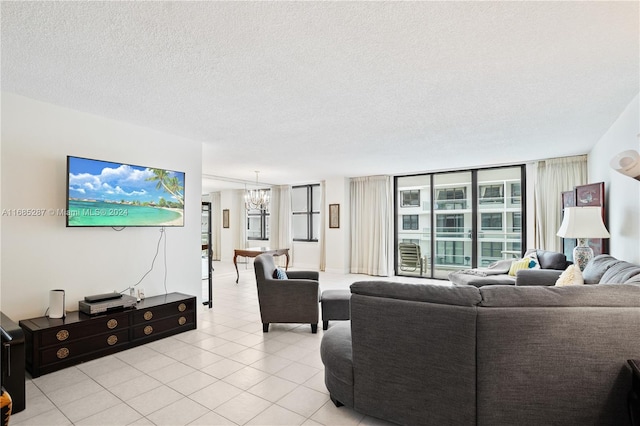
x,y
225,218
568,199
590,195
334,215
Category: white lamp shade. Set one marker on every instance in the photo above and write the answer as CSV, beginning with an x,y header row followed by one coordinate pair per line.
x,y
583,222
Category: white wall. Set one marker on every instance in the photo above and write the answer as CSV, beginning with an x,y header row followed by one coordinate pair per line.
x,y
40,253
622,192
338,240
304,255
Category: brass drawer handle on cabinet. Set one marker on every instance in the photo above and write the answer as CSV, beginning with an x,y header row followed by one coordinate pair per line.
x,y
148,330
62,353
182,320
148,315
62,335
112,340
112,323
182,307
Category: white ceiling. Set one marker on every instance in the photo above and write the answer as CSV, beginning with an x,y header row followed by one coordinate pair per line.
x,y
304,91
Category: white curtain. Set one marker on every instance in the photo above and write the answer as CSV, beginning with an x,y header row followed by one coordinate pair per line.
x,y
323,228
216,224
553,177
371,225
280,221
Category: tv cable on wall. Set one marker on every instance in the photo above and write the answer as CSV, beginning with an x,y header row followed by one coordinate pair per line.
x,y
163,236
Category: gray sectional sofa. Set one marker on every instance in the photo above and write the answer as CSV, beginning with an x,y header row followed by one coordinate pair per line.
x,y
551,264
602,269
496,355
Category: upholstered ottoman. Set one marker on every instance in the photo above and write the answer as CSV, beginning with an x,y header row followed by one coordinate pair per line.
x,y
335,306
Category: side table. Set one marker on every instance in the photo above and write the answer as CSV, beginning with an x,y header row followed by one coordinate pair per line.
x,y
634,395
254,252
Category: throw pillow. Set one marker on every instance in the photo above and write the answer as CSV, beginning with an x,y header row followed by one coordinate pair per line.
x,y
571,276
535,263
517,265
280,274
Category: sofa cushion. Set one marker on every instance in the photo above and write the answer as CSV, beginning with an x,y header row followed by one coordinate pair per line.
x,y
596,268
620,273
551,259
463,278
434,293
571,276
537,277
565,296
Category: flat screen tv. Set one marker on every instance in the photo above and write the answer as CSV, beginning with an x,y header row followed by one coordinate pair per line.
x,y
102,193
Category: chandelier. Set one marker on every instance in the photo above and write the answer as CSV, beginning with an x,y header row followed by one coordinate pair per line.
x,y
256,199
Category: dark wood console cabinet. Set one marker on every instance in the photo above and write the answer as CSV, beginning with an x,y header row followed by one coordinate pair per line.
x,y
53,344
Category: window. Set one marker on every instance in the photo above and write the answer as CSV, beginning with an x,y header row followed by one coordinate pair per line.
x,y
516,247
450,252
452,198
305,206
450,225
410,198
258,224
491,194
491,250
515,193
410,222
516,222
491,221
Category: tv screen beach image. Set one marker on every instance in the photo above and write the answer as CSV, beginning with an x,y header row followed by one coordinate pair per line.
x,y
102,193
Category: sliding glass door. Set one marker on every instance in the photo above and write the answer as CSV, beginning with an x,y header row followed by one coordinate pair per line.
x,y
499,220
452,213
458,220
413,201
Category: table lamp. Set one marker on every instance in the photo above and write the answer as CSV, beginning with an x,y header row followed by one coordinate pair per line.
x,y
582,223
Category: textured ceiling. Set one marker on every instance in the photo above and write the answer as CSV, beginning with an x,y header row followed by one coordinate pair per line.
x,y
304,91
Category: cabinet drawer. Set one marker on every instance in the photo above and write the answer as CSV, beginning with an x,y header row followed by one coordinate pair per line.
x,y
152,328
72,332
64,351
145,315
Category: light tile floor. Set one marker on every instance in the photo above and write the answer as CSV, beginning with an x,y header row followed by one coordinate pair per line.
x,y
227,372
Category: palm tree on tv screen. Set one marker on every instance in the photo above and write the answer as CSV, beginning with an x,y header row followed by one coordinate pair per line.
x,y
169,183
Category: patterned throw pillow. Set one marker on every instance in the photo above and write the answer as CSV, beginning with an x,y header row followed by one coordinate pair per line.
x,y
280,274
535,263
571,276
517,265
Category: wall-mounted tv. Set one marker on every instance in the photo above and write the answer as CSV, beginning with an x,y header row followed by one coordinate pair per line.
x,y
102,193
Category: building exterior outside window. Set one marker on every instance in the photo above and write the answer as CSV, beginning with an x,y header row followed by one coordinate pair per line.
x,y
491,221
410,222
410,198
450,225
491,250
464,219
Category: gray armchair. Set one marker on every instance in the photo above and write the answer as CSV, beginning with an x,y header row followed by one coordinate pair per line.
x,y
294,300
